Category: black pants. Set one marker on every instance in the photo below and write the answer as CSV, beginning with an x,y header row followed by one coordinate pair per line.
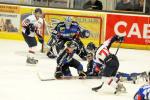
x,y
31,41
73,63
112,65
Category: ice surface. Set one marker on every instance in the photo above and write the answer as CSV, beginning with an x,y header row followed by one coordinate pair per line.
x,y
19,81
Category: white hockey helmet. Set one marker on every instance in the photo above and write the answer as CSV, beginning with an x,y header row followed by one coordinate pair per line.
x,y
68,21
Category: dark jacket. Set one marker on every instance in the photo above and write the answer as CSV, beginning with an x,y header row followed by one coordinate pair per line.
x,y
96,6
124,6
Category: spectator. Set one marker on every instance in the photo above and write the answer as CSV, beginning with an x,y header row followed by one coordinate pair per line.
x,y
9,27
140,6
93,4
124,5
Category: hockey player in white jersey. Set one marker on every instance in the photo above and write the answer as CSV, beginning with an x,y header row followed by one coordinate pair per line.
x,y
144,92
107,64
31,26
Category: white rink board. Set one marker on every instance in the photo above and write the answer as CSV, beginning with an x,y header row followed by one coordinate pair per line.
x,y
19,81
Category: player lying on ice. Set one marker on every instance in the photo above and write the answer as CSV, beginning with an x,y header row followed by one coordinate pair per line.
x,y
144,91
68,30
132,77
106,65
66,60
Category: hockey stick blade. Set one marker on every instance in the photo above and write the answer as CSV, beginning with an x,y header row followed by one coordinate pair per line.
x,y
97,88
44,79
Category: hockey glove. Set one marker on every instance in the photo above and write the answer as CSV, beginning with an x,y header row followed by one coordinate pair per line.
x,y
31,27
82,74
58,73
85,34
121,39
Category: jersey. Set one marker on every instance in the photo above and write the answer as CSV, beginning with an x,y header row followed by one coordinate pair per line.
x,y
143,93
37,23
102,52
67,33
64,57
89,71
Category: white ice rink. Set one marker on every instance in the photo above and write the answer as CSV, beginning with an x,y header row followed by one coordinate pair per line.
x,y
19,81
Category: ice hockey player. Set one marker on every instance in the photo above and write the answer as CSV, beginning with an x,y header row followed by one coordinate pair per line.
x,y
132,77
67,31
122,76
66,60
91,48
31,26
107,64
89,71
144,92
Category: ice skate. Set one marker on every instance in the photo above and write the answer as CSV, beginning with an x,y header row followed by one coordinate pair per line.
x,y
120,89
144,76
31,61
51,55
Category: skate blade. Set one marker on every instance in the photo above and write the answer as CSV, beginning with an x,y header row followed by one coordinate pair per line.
x,y
29,64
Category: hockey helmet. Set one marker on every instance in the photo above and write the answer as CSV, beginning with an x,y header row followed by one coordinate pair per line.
x,y
91,46
68,21
85,34
71,44
38,10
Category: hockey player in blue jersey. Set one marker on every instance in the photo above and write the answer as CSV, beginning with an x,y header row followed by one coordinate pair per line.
x,y
144,92
66,60
133,77
91,49
67,31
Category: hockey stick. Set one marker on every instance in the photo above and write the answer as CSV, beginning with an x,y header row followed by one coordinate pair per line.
x,y
100,86
66,78
43,35
118,48
44,79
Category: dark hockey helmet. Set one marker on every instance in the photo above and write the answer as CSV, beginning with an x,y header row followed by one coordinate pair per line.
x,y
71,44
91,46
38,10
85,34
